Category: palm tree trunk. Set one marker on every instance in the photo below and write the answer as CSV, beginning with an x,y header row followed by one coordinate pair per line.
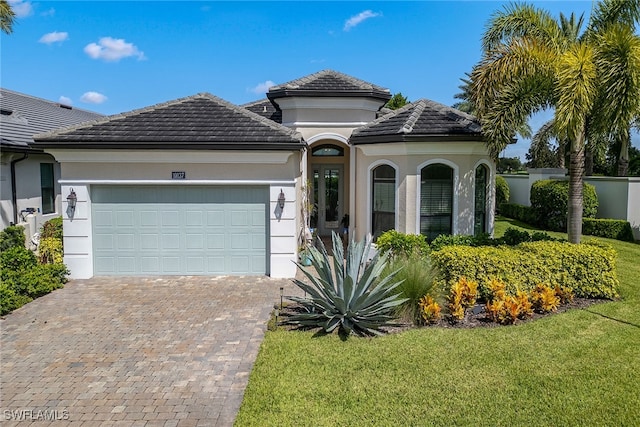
x,y
576,172
561,153
623,157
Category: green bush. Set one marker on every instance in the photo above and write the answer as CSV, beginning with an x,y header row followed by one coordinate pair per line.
x,y
52,229
511,237
9,299
50,251
520,212
401,244
611,228
417,276
588,269
17,259
502,191
549,201
12,236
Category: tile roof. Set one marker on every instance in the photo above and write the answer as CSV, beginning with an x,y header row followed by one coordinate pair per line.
x,y
422,119
201,121
328,83
265,108
24,116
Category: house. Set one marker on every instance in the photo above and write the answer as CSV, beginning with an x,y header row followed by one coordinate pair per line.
x,y
29,176
200,186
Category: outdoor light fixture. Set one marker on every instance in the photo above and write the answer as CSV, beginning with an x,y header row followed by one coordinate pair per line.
x,y
281,199
72,199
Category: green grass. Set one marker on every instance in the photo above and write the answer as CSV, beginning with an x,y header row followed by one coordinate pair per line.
x,y
581,367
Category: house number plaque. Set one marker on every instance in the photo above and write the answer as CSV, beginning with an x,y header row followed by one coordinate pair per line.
x,y
179,175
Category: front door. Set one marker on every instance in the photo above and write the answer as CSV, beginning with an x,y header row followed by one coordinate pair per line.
x,y
328,199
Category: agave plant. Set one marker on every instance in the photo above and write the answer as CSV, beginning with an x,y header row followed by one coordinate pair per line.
x,y
353,297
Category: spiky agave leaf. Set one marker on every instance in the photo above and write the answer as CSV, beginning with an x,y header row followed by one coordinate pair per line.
x,y
352,298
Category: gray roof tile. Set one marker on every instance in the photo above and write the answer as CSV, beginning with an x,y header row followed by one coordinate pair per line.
x,y
328,83
265,108
419,119
201,121
23,116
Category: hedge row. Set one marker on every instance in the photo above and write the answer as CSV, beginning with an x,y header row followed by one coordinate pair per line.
x,y
588,269
610,228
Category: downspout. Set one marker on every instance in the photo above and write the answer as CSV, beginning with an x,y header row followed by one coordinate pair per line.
x,y
14,191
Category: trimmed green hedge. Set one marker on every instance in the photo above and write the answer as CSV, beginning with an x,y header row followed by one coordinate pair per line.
x,y
401,244
618,229
519,212
549,201
502,191
588,268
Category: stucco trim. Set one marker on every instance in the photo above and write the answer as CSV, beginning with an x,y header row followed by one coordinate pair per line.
x,y
173,182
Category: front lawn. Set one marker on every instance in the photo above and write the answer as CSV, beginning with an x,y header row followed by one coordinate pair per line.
x,y
581,367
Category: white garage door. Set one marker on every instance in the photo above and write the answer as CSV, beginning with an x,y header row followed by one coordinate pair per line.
x,y
179,230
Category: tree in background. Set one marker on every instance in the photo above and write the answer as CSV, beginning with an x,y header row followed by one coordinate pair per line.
x,y
7,17
532,62
509,165
397,101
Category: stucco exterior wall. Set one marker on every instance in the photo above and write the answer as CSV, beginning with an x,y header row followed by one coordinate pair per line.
x,y
28,190
408,162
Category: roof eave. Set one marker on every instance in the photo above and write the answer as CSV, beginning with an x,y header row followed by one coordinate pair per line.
x,y
273,146
377,139
282,93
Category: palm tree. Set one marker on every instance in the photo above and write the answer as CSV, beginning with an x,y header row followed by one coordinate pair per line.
x,y
6,17
532,62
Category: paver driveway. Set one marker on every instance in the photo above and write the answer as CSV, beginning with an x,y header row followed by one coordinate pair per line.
x,y
135,351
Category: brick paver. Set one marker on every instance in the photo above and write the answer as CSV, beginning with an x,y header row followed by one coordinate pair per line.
x,y
163,351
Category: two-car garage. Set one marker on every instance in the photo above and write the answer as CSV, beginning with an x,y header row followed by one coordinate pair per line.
x,y
179,230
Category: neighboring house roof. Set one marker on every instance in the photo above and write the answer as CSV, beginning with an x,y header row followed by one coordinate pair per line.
x,y
23,116
266,109
201,121
419,120
328,83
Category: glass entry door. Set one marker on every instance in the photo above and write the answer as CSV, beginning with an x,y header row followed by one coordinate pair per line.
x,y
328,199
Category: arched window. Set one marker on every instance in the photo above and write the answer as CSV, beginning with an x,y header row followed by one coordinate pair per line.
x,y
327,150
383,199
436,200
480,203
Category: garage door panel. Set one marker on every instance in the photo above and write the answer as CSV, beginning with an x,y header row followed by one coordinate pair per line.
x,y
180,230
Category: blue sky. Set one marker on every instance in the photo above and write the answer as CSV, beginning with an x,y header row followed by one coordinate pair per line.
x,y
112,57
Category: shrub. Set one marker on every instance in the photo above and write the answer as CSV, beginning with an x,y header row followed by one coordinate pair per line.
x,y
588,269
544,298
50,251
502,191
520,212
417,277
462,295
549,200
9,299
12,236
610,228
18,259
483,239
429,309
401,244
52,229
351,298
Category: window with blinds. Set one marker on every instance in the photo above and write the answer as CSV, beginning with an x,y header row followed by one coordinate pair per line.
x,y
436,200
383,200
480,202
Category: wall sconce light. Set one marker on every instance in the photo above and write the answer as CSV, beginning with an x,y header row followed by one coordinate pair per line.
x,y
72,199
281,199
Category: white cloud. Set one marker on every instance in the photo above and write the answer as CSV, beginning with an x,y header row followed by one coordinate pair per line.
x,y
110,49
359,18
21,8
64,100
54,37
49,12
262,88
93,98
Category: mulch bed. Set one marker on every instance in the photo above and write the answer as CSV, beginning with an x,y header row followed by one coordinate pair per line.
x,y
474,318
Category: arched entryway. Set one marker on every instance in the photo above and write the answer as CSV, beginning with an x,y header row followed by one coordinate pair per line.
x,y
328,174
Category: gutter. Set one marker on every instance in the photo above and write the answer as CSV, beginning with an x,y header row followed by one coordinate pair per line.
x,y
14,192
